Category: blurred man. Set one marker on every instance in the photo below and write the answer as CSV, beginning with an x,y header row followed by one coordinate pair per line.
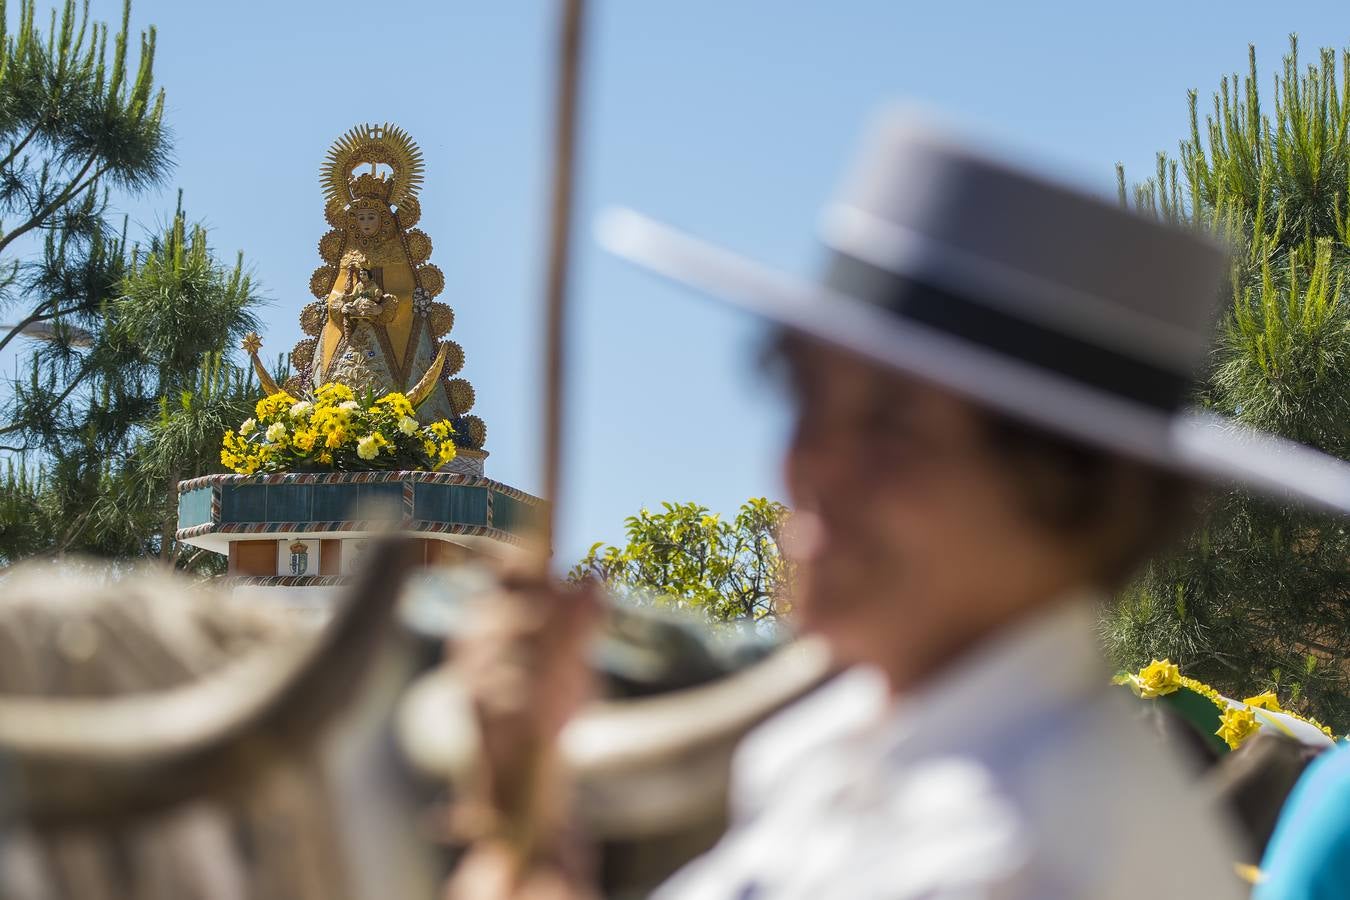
x,y
990,436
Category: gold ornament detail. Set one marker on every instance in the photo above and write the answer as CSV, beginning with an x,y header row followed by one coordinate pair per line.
x,y
433,281
454,358
419,246
295,385
440,319
381,252
251,344
335,213
374,145
461,395
409,213
472,431
312,318
321,282
330,246
302,354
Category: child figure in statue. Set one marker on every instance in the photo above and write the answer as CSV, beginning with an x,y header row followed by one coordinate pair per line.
x,y
359,360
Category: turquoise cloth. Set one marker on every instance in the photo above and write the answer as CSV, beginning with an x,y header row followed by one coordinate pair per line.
x,y
1308,857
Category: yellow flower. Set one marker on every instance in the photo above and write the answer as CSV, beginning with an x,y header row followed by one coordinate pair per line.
x,y
369,446
325,458
1157,679
1238,724
332,392
441,429
248,427
330,414
429,448
273,405
397,403
304,439
276,432
1268,700
407,425
447,452
332,424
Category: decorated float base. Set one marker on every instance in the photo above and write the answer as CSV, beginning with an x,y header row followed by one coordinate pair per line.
x,y
297,536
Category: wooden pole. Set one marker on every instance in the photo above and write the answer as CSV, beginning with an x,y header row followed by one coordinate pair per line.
x,y
560,239
540,766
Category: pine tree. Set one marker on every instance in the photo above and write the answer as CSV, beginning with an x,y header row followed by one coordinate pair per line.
x,y
113,422
1259,598
129,385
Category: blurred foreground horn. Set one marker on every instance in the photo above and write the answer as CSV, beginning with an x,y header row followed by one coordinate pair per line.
x,y
77,758
643,766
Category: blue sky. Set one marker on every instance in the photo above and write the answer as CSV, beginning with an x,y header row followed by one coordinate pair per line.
x,y
732,118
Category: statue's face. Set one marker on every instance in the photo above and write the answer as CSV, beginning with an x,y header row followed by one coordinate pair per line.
x,y
367,221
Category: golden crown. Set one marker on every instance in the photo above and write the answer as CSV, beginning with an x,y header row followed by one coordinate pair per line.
x,y
374,145
369,186
299,547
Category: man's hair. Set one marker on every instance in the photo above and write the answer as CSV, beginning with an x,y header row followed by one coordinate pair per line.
x,y
1076,490
1068,487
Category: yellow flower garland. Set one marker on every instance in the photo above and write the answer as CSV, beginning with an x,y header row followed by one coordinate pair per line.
x,y
1237,723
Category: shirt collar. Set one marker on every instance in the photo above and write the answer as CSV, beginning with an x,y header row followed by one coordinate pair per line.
x,y
1046,661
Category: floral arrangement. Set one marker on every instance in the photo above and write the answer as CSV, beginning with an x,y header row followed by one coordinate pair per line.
x,y
334,429
1237,721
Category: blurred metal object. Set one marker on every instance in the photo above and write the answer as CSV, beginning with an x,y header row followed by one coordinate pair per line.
x,y
46,331
650,769
82,759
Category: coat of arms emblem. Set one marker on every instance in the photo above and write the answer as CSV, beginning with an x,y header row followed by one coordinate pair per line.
x,y
299,558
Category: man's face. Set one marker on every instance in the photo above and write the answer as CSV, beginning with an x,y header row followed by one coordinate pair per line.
x,y
910,540
367,221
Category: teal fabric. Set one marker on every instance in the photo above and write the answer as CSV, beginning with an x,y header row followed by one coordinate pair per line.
x,y
1308,857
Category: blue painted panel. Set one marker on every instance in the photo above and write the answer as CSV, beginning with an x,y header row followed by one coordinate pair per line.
x,y
431,502
194,507
289,503
383,499
332,502
468,505
450,503
511,515
243,503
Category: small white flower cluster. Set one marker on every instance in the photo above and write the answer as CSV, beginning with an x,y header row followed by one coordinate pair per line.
x,y
421,301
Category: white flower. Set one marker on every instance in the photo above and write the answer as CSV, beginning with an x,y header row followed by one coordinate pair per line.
x,y
421,301
407,424
301,409
349,405
276,431
248,427
367,448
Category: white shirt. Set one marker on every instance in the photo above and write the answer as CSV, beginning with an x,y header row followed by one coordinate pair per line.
x,y
1014,773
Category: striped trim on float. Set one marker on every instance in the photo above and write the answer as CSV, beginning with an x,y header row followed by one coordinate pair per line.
x,y
409,477
419,526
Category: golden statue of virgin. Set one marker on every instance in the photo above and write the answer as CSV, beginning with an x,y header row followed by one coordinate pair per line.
x,y
375,325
